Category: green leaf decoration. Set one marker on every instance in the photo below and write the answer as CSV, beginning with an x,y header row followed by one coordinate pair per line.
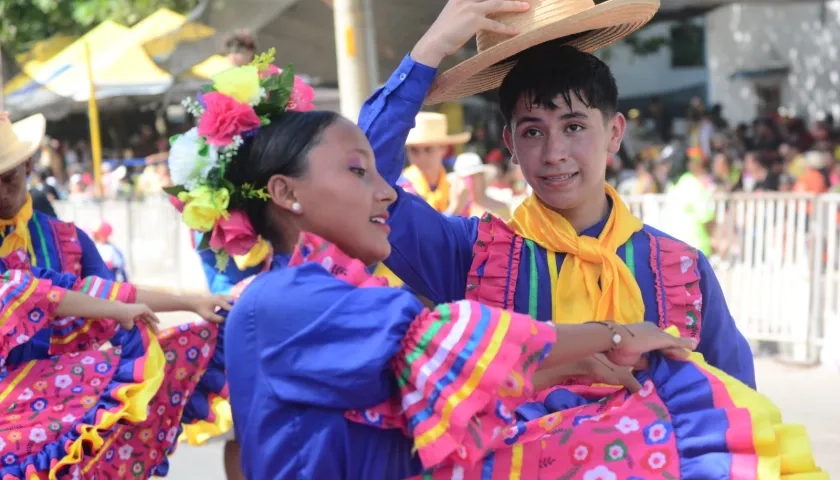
x,y
659,411
271,83
207,88
222,259
174,190
286,80
570,474
287,77
203,148
174,138
567,435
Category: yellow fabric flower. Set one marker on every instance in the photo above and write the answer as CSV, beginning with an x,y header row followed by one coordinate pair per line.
x,y
256,256
240,83
204,206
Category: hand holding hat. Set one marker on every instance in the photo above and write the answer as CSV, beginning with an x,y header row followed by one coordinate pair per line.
x,y
459,21
582,24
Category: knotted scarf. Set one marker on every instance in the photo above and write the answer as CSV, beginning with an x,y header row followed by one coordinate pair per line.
x,y
19,238
439,198
579,298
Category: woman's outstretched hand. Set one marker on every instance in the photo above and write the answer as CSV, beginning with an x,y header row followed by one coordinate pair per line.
x,y
640,338
209,307
129,314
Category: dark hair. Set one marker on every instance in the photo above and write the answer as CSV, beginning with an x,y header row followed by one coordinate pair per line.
x,y
550,69
279,148
240,41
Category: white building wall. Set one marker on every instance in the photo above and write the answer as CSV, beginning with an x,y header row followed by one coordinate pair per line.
x,y
744,37
650,74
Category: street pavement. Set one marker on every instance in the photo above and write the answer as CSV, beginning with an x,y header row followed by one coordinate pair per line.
x,y
806,395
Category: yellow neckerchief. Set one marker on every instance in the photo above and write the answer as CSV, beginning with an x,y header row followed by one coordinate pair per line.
x,y
439,199
19,238
578,296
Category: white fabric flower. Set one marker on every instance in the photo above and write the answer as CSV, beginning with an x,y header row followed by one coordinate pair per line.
x,y
38,435
186,164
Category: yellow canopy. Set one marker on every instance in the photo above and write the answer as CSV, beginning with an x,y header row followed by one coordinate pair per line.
x,y
120,58
32,60
66,72
213,65
165,29
134,72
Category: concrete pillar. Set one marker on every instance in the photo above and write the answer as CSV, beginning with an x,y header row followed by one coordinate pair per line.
x,y
355,55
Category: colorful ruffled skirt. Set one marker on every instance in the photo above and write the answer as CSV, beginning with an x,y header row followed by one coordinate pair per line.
x,y
113,413
463,372
689,421
97,412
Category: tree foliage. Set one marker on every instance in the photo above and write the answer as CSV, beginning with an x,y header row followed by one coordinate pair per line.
x,y
24,22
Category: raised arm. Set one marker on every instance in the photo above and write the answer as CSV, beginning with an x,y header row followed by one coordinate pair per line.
x,y
388,115
431,253
418,232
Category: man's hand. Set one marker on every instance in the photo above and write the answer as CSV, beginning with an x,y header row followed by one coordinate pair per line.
x,y
600,370
593,369
459,21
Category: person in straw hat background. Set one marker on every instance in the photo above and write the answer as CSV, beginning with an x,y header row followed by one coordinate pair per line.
x,y
426,147
572,252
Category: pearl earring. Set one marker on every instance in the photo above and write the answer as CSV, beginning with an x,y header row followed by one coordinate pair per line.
x,y
296,207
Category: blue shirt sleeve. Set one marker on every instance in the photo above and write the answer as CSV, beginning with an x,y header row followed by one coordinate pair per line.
x,y
58,279
326,343
92,263
430,252
721,343
388,115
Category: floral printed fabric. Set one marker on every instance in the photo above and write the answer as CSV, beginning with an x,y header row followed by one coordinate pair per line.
x,y
111,413
193,367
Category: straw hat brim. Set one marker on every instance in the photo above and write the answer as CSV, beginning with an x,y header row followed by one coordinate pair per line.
x,y
604,24
457,139
30,133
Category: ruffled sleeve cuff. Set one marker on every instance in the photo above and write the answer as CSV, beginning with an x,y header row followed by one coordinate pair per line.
x,y
463,368
28,303
73,334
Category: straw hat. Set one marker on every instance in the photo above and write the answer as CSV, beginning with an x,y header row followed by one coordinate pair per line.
x,y
19,142
432,129
593,27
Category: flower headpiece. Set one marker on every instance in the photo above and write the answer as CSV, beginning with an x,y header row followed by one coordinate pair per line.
x,y
234,107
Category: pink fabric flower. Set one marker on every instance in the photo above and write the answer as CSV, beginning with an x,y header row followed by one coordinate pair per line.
x,y
225,118
301,98
179,205
270,70
234,234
